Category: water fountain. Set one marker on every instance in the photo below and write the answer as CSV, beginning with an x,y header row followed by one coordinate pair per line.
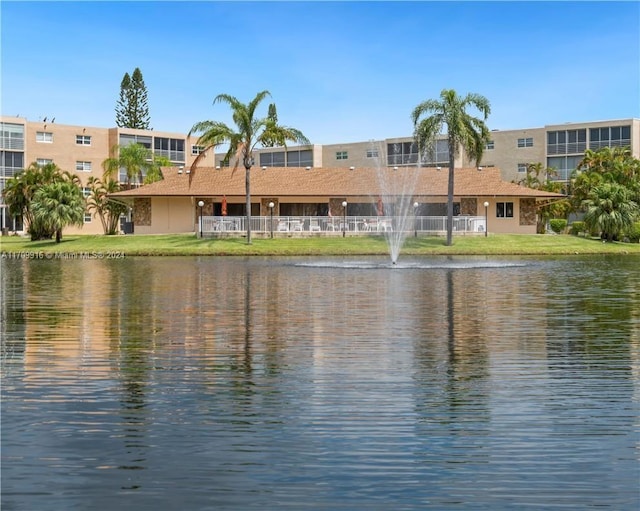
x,y
396,199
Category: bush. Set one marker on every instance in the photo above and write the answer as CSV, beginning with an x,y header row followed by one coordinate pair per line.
x,y
633,233
558,225
576,228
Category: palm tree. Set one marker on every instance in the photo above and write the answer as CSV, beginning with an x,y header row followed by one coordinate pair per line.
x,y
139,163
17,194
20,191
539,177
610,210
464,131
108,210
610,164
249,132
57,205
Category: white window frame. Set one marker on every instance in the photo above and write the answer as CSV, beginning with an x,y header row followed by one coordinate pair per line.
x,y
372,153
196,150
525,142
522,167
83,166
83,139
505,209
342,155
88,218
44,137
86,191
490,145
41,162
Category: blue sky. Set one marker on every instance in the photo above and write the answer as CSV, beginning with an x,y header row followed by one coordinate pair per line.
x,y
338,71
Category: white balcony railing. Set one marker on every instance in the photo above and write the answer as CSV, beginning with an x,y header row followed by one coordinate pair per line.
x,y
332,225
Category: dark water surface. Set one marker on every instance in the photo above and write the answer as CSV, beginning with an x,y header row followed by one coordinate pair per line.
x,y
245,384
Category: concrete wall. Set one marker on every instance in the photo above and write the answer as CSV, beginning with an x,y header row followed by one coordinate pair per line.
x,y
510,225
170,215
506,155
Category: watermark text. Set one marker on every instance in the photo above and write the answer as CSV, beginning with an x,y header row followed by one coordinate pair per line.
x,y
35,254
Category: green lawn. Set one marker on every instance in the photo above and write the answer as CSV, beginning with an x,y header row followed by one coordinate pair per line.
x,y
188,244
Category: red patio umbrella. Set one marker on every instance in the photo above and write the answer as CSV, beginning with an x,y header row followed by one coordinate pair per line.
x,y
224,205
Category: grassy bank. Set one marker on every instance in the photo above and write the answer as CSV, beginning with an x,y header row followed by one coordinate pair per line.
x,y
188,244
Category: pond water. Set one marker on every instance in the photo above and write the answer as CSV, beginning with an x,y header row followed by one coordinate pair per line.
x,y
337,384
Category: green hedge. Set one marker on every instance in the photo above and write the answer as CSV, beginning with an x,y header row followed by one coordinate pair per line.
x,y
558,225
577,228
633,233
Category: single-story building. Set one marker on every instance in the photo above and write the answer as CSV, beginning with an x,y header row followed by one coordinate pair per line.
x,y
179,202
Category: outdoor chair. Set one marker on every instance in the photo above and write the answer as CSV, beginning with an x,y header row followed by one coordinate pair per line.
x,y
331,226
283,226
314,226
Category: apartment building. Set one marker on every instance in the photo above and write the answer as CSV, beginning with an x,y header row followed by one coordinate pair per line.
x,y
559,146
78,149
82,149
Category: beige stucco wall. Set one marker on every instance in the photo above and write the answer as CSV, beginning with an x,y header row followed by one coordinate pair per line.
x,y
170,215
504,225
506,154
65,152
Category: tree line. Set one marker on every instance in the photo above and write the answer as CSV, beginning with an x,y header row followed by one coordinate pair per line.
x,y
49,198
603,190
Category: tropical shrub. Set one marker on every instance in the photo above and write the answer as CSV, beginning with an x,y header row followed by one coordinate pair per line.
x,y
56,205
107,209
610,210
20,196
558,225
633,233
576,228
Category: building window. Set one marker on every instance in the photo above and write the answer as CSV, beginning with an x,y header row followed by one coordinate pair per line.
x,y
272,159
490,145
83,140
614,136
406,153
172,148
402,153
522,167
41,162
86,191
341,155
87,218
196,150
11,136
83,166
504,209
143,140
440,156
567,141
44,136
564,166
525,142
372,153
11,163
300,158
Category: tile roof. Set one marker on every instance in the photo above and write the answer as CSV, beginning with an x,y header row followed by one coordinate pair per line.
x,y
333,182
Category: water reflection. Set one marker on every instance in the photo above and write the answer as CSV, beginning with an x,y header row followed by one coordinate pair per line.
x,y
223,383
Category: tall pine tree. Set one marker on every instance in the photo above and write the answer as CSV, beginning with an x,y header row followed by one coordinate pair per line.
x,y
132,109
122,104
